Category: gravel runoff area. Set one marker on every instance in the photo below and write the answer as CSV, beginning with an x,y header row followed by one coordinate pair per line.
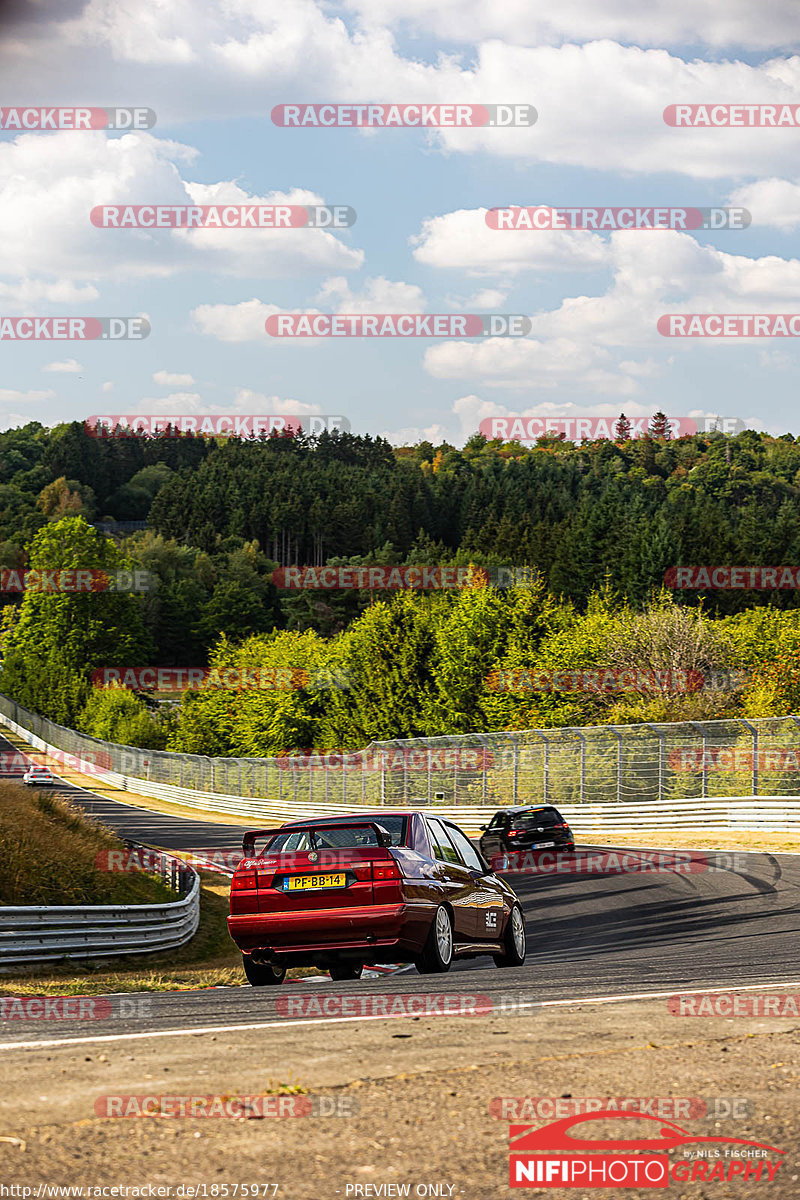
x,y
411,1101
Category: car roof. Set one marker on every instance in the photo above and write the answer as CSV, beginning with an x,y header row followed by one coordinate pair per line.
x,y
368,815
518,808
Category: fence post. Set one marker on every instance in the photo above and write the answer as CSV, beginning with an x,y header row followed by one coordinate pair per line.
x,y
661,757
618,736
515,784
582,794
704,774
546,768
483,772
754,732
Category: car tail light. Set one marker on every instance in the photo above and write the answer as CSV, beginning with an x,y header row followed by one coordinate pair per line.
x,y
385,871
243,879
515,832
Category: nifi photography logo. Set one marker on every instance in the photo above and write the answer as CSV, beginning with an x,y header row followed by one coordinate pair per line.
x,y
554,1157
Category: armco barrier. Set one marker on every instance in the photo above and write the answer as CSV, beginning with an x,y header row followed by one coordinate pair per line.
x,y
42,933
637,784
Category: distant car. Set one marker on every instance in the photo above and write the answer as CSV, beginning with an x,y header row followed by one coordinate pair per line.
x,y
340,893
527,828
37,776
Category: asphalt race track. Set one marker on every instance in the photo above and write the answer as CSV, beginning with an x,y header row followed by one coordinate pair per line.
x,y
591,935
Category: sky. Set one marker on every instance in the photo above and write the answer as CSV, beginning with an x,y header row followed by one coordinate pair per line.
x,y
598,72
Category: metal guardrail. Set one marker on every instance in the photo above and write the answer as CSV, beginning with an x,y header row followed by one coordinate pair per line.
x,y
44,933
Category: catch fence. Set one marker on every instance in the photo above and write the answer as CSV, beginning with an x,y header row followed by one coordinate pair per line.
x,y
637,764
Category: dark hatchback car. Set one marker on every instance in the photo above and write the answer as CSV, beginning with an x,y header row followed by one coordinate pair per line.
x,y
342,892
526,829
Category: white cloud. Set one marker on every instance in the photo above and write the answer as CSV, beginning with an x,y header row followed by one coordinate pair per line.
x,y
600,103
245,400
771,202
377,295
49,185
412,434
463,241
12,396
175,402
27,293
587,340
243,322
478,301
108,386
67,366
172,379
471,410
248,401
716,23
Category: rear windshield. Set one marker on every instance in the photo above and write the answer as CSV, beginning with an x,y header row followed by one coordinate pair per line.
x,y
531,817
329,836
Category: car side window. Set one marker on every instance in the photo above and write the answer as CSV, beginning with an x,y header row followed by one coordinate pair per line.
x,y
466,851
497,822
442,848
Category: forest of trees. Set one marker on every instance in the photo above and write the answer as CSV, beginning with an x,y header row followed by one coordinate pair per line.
x,y
597,524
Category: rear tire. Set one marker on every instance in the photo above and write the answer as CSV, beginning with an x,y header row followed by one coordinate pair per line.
x,y
437,956
262,975
345,970
514,941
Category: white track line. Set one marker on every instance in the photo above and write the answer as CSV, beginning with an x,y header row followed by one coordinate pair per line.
x,y
201,1030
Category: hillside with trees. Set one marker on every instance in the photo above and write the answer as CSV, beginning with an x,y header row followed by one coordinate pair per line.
x,y
596,524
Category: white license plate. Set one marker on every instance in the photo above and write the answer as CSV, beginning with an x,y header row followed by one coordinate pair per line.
x,y
544,845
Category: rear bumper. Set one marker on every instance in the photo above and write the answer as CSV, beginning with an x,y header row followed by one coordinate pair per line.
x,y
319,930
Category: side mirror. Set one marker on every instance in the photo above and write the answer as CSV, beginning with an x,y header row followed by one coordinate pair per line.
x,y
483,827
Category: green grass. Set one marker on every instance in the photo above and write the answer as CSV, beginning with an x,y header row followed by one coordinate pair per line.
x,y
49,855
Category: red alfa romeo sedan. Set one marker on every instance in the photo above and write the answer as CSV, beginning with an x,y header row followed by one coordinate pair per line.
x,y
342,892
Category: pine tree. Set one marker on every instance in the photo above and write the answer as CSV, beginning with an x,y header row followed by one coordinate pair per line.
x,y
659,427
622,429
